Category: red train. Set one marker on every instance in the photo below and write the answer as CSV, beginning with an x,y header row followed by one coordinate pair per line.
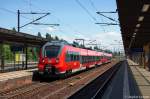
x,y
58,58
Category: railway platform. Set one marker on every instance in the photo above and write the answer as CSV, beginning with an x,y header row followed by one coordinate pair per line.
x,y
130,82
142,78
13,79
9,67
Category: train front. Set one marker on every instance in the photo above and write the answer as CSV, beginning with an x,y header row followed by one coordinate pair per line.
x,y
49,59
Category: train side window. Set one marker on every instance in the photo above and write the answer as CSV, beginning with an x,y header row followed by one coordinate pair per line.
x,y
83,59
89,58
67,57
75,57
72,58
86,59
92,58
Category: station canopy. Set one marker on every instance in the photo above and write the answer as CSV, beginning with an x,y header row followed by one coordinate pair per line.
x,y
10,36
134,17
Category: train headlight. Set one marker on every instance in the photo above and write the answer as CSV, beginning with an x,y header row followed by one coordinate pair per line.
x,y
57,60
43,60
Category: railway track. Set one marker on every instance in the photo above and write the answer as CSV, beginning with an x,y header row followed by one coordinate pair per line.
x,y
98,86
55,89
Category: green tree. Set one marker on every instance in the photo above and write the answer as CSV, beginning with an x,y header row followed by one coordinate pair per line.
x,y
8,55
75,44
90,47
49,37
82,46
56,38
96,48
14,29
39,34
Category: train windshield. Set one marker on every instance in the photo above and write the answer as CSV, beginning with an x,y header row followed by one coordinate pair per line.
x,y
52,51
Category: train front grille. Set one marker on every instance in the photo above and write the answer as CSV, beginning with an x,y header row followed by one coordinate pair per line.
x,y
50,69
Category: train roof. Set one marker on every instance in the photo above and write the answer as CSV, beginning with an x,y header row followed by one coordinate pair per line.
x,y
77,49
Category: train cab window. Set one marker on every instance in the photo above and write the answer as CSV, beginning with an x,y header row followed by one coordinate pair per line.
x,y
52,51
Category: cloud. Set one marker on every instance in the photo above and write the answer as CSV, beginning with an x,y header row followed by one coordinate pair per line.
x,y
48,29
107,38
67,38
30,27
113,34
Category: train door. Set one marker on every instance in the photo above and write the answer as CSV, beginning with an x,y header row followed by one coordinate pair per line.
x,y
68,60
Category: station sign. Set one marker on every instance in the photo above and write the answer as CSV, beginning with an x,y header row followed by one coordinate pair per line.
x,y
19,57
136,50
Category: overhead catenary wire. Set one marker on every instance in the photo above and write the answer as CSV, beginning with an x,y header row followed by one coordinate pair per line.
x,y
30,8
94,7
100,13
57,18
12,12
107,17
35,20
86,10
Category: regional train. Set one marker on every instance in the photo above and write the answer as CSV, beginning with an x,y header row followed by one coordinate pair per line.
x,y
60,58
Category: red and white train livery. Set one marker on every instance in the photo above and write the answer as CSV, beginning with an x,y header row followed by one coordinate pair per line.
x,y
58,57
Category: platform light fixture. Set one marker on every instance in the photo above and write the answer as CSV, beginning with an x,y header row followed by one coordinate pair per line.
x,y
145,7
141,18
138,25
135,30
134,34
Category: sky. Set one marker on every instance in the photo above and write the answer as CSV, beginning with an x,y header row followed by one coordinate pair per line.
x,y
77,19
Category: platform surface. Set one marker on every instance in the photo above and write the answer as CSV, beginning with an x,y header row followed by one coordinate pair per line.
x,y
130,82
16,74
142,78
